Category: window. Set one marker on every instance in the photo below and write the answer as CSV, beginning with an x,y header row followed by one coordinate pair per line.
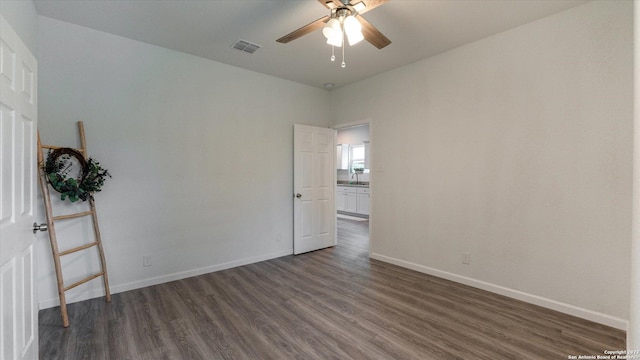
x,y
357,159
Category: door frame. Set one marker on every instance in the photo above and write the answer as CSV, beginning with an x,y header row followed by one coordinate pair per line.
x,y
351,124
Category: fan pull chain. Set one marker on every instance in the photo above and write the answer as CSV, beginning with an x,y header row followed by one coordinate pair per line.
x,y
344,45
333,55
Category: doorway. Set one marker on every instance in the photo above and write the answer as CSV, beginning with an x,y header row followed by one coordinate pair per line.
x,y
353,188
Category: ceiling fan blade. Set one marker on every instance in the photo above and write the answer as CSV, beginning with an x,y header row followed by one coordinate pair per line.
x,y
368,4
371,4
315,25
330,4
373,35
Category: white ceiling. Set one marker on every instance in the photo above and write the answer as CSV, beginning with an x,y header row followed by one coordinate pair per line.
x,y
417,29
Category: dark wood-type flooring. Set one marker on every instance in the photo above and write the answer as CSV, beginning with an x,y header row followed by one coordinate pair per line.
x,y
329,304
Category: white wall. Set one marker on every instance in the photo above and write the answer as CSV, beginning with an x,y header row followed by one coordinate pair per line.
x,y
200,153
523,141
22,16
633,334
355,135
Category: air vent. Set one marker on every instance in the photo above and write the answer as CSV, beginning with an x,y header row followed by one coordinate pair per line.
x,y
246,46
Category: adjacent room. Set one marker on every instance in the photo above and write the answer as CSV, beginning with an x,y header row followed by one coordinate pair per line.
x,y
440,179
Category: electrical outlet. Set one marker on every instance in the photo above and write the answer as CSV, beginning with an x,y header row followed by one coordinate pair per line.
x,y
466,258
146,261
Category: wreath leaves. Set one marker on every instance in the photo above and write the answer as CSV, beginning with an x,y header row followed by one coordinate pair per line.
x,y
90,177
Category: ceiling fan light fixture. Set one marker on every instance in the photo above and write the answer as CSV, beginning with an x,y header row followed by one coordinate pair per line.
x,y
332,29
341,25
335,40
355,38
353,30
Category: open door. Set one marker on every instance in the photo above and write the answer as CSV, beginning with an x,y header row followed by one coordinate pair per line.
x,y
314,183
18,116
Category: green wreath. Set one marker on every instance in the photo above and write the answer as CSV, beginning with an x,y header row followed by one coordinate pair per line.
x,y
90,177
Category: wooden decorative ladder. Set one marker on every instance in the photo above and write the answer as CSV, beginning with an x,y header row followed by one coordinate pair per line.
x,y
51,219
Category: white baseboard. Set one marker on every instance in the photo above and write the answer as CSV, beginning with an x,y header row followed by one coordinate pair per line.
x,y
515,294
99,292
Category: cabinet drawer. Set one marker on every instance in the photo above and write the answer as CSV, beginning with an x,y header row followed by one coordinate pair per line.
x,y
363,190
346,189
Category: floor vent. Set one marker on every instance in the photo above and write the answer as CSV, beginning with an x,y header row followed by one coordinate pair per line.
x,y
245,46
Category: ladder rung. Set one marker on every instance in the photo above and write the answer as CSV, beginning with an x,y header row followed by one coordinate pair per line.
x,y
84,281
72,216
76,249
53,147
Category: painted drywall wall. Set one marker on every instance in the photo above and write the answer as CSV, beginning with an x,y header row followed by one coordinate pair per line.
x,y
200,153
522,144
633,334
355,135
22,16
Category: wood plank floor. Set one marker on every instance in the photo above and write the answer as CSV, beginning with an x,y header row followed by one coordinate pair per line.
x,y
329,304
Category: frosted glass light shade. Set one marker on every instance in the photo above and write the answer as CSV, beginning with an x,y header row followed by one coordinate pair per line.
x,y
336,40
353,29
355,38
332,29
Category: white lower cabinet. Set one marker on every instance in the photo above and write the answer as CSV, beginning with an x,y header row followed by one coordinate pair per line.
x,y
352,199
363,202
341,201
352,203
346,199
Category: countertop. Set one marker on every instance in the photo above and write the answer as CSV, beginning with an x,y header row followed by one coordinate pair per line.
x,y
349,184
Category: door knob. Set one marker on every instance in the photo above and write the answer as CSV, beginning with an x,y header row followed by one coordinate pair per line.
x,y
298,195
41,227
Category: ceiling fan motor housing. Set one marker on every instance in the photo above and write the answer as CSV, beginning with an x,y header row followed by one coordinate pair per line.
x,y
341,13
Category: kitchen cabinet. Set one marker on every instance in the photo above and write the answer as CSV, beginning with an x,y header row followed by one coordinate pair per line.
x,y
346,199
362,201
341,200
352,199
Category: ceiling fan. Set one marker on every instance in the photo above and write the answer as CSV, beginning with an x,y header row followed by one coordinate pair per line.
x,y
340,11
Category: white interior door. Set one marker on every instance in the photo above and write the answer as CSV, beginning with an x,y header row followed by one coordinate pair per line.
x,y
314,182
18,126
